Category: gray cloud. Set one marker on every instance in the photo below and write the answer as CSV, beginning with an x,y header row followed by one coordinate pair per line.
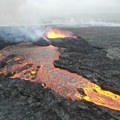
x,y
20,12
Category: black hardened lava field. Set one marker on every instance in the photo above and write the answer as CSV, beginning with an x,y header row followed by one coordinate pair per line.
x,y
60,76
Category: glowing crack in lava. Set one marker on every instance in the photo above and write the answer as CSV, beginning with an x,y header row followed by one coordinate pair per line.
x,y
56,33
61,81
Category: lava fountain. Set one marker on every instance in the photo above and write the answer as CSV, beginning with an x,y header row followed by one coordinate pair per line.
x,y
56,33
35,63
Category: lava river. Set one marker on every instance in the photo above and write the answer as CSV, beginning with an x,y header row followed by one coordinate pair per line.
x,y
38,64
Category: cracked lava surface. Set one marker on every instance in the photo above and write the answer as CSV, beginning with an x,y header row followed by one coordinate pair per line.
x,y
35,63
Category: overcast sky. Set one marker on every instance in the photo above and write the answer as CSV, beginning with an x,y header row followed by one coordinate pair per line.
x,y
18,12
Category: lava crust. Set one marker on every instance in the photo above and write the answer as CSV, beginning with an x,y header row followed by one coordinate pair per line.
x,y
37,66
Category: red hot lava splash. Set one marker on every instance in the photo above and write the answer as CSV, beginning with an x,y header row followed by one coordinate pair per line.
x,y
62,82
56,33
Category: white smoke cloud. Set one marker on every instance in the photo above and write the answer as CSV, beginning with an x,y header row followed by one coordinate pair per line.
x,y
22,12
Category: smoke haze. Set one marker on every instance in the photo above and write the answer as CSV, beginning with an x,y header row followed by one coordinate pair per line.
x,y
76,12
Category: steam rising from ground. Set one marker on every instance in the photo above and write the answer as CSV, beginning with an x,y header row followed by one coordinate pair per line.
x,y
21,34
34,12
73,13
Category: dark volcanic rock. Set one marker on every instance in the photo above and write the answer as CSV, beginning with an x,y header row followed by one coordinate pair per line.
x,y
93,63
62,42
68,42
22,100
4,62
4,43
42,42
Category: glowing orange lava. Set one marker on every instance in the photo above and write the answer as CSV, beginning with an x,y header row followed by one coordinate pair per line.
x,y
56,33
62,82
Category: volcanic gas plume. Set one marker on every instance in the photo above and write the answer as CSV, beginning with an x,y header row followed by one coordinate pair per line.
x,y
35,63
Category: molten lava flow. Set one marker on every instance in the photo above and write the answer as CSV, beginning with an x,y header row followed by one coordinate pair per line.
x,y
65,83
56,33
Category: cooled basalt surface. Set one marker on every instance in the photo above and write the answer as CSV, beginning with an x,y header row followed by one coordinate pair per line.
x,y
25,100
35,63
20,99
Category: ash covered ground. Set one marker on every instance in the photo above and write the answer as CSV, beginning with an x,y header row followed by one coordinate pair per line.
x,y
98,61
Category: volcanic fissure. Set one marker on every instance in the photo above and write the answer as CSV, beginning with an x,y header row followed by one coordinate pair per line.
x,y
35,63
